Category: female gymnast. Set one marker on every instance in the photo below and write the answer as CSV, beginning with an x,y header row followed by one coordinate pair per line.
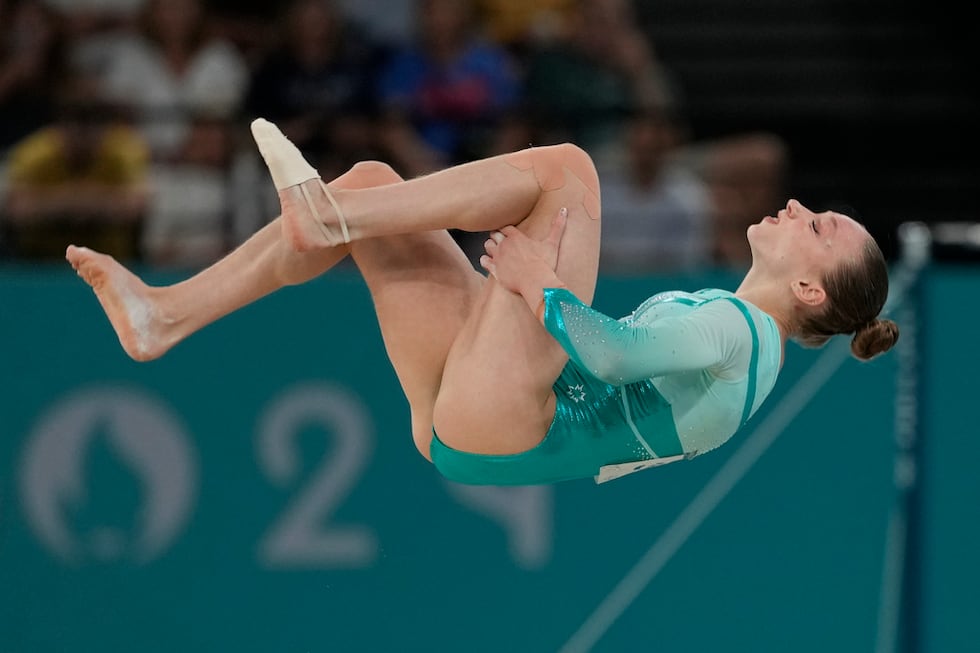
x,y
511,377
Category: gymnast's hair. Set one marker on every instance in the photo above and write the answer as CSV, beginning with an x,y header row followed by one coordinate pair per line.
x,y
856,293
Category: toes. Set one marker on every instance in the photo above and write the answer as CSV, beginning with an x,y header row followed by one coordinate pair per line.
x,y
285,162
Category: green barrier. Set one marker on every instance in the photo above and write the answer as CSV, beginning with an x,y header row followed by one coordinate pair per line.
x,y
257,489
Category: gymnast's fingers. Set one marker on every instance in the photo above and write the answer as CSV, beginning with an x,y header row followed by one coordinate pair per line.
x,y
487,263
558,227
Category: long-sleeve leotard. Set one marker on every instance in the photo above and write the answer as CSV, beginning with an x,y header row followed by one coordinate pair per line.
x,y
698,352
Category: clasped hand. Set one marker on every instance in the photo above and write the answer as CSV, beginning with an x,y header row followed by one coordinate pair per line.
x,y
516,260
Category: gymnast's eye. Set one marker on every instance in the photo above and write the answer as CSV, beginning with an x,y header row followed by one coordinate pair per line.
x,y
813,225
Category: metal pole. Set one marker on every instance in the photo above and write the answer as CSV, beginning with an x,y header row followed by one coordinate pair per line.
x,y
900,611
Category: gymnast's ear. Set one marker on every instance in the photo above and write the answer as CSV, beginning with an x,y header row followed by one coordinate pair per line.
x,y
809,292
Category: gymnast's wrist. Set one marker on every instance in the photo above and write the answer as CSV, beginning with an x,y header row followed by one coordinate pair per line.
x,y
534,297
532,288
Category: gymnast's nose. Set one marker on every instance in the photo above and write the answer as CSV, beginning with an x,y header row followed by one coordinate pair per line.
x,y
792,208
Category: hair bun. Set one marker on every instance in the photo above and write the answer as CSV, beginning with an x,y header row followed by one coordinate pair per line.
x,y
876,337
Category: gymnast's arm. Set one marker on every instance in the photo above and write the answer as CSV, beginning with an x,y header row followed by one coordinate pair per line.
x,y
618,352
710,337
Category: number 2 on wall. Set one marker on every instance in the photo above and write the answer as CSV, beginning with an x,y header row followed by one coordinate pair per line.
x,y
298,538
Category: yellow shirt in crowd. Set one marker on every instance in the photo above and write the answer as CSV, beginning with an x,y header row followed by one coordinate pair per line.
x,y
40,160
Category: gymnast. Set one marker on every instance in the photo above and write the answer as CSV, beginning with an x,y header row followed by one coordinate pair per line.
x,y
512,378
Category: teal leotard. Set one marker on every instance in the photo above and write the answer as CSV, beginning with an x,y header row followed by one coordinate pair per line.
x,y
679,376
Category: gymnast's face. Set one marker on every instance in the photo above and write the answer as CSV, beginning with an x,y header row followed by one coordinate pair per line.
x,y
803,247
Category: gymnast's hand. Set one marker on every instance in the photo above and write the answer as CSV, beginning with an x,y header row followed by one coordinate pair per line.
x,y
522,264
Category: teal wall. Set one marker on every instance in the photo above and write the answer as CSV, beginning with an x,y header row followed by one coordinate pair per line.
x,y
257,490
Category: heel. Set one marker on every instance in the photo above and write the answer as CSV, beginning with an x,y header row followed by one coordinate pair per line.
x,y
327,233
288,169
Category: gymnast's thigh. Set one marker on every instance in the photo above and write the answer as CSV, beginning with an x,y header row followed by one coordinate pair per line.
x,y
586,433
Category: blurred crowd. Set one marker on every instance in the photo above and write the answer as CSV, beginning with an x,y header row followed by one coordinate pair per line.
x,y
124,123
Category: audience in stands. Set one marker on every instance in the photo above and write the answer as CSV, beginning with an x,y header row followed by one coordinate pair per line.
x,y
82,179
316,82
657,215
443,96
32,63
421,84
521,25
747,177
95,29
580,87
389,22
316,85
185,88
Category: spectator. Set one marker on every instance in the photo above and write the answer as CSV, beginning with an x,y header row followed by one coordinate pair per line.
x,y
443,96
185,88
81,179
579,88
244,24
96,29
32,60
85,17
316,84
389,22
657,216
747,175
524,24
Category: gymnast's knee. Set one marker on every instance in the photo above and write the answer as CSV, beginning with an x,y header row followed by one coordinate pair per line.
x,y
374,173
578,161
553,164
550,162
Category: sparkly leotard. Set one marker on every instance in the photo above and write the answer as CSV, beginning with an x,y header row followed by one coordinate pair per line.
x,y
677,377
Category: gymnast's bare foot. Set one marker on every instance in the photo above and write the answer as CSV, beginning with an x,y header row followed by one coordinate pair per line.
x,y
311,217
129,303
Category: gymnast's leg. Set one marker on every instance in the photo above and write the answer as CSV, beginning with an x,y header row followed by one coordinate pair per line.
x,y
495,394
424,288
150,320
422,285
477,196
